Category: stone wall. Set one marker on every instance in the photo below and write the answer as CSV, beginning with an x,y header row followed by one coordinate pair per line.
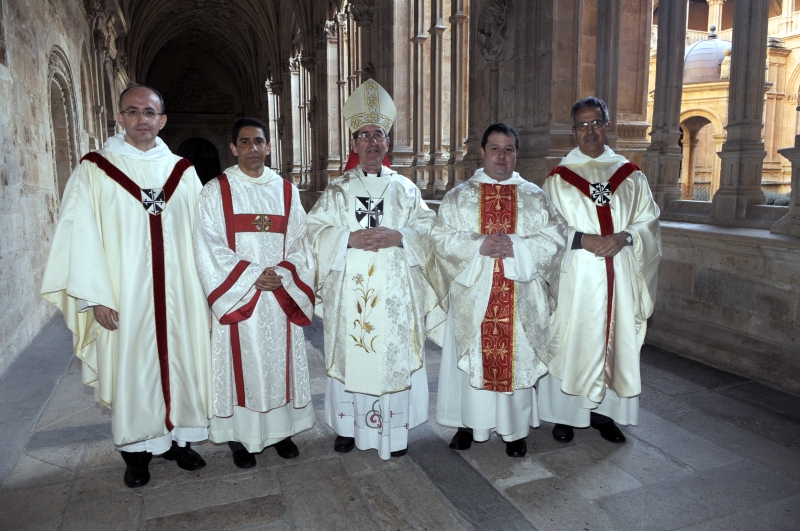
x,y
730,298
29,198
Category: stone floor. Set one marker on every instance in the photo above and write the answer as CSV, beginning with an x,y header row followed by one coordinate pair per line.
x,y
713,451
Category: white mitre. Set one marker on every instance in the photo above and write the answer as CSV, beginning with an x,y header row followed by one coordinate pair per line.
x,y
369,104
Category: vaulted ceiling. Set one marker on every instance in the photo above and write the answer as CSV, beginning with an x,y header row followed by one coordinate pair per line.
x,y
251,38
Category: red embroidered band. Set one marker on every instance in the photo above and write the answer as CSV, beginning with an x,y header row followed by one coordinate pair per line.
x,y
158,265
498,212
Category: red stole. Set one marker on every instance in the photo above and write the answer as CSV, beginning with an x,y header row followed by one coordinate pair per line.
x,y
257,223
157,247
498,212
603,205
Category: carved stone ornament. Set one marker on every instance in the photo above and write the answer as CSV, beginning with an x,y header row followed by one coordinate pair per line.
x,y
57,65
493,28
309,62
275,86
311,111
363,13
330,30
280,125
101,41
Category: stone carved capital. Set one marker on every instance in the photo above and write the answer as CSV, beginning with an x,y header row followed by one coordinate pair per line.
x,y
363,13
309,62
329,29
494,22
275,87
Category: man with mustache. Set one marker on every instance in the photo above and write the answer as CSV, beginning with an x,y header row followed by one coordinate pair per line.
x,y
257,270
608,283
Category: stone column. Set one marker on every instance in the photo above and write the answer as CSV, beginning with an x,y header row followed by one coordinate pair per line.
x,y
436,164
790,223
606,74
715,13
274,97
787,6
458,89
743,153
663,156
419,175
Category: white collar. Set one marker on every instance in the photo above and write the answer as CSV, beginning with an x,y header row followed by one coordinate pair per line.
x,y
481,177
575,157
267,176
116,144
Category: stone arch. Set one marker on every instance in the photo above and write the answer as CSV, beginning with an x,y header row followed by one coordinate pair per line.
x,y
63,115
700,166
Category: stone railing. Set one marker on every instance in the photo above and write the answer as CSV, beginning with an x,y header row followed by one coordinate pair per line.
x,y
692,36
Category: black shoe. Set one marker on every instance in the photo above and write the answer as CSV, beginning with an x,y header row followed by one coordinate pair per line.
x,y
136,473
516,448
344,444
241,457
186,458
563,433
400,453
287,449
462,440
609,431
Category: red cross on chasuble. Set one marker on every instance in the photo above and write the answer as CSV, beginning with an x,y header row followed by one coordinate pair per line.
x,y
498,212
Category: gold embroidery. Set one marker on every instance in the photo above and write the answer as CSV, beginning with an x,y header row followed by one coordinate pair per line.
x,y
262,223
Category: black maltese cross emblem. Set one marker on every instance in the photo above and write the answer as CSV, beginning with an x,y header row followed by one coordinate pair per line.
x,y
601,193
153,200
369,212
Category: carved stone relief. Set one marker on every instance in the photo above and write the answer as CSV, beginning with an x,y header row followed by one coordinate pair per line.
x,y
493,28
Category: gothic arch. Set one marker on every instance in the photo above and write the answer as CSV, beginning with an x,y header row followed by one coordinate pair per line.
x,y
63,115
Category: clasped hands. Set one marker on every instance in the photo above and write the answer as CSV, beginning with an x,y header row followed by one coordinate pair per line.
x,y
498,245
604,246
375,239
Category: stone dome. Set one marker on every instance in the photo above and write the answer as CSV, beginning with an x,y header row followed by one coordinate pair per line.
x,y
702,60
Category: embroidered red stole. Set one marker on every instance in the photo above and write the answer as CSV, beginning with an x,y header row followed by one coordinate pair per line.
x,y
602,201
257,223
498,212
158,267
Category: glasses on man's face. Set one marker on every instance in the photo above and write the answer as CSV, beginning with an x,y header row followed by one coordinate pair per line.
x,y
147,114
594,124
377,136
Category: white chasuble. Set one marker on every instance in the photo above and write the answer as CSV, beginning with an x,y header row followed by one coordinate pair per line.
x,y
375,303
246,225
599,325
539,240
124,241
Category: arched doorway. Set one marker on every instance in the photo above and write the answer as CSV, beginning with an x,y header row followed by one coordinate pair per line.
x,y
204,156
62,119
699,159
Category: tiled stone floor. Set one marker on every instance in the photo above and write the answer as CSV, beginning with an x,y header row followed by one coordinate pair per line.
x,y
713,451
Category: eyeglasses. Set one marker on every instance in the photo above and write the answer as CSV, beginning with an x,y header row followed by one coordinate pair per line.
x,y
594,124
378,136
147,114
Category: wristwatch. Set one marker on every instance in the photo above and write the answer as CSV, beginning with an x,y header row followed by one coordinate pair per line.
x,y
628,238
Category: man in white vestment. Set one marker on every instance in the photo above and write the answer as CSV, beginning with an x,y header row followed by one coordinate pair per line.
x,y
257,270
498,241
370,236
608,283
121,270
